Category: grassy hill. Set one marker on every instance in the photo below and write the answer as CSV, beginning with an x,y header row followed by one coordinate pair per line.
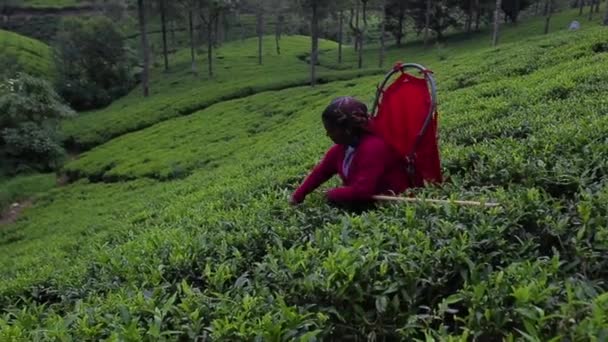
x,y
237,74
30,55
182,230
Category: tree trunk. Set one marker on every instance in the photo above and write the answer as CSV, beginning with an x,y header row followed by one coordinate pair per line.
x,y
469,22
210,22
240,23
315,44
606,16
362,33
260,29
340,36
144,46
221,33
191,31
163,22
477,15
597,6
591,3
382,31
216,33
357,38
278,31
427,22
400,25
581,4
549,12
496,23
172,30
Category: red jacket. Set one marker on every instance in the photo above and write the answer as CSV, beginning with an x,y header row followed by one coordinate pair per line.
x,y
375,169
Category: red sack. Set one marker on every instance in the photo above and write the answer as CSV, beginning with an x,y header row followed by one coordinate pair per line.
x,y
402,111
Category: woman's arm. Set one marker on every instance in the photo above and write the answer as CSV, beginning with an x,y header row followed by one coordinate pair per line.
x,y
319,175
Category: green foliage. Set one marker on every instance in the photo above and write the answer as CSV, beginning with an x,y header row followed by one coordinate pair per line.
x,y
512,8
24,186
179,92
93,63
24,54
51,3
29,112
218,254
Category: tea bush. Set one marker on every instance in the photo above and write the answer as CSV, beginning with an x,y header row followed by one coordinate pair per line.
x,y
29,112
215,252
25,54
24,186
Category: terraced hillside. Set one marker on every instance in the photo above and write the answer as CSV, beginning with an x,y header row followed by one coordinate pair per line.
x,y
182,230
237,74
30,55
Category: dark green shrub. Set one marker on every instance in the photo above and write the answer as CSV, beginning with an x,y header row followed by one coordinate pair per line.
x,y
29,113
93,63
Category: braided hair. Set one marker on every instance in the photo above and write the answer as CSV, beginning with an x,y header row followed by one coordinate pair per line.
x,y
347,113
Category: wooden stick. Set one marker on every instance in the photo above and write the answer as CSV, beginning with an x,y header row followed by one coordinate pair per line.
x,y
439,201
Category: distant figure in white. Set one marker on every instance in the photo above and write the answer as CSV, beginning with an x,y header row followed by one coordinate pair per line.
x,y
574,26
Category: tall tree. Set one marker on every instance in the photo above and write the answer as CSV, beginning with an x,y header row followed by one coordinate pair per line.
x,y
190,7
549,11
581,4
211,11
314,50
317,9
163,22
278,7
496,23
427,22
359,27
436,16
260,29
340,34
395,14
478,10
336,8
512,8
144,46
382,33
279,31
591,3
469,21
354,17
606,15
191,35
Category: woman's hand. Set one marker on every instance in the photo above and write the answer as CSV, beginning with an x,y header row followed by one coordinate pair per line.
x,y
293,201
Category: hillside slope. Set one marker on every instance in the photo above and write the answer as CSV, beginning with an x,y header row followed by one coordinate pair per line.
x,y
30,55
179,92
214,251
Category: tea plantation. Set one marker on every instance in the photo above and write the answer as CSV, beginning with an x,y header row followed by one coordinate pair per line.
x,y
182,229
26,54
237,74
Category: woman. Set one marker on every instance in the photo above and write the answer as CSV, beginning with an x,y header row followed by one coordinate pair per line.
x,y
366,164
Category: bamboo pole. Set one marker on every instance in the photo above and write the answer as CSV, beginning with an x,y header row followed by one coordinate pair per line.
x,y
437,201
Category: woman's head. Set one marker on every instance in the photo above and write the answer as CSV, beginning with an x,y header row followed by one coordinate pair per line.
x,y
345,119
